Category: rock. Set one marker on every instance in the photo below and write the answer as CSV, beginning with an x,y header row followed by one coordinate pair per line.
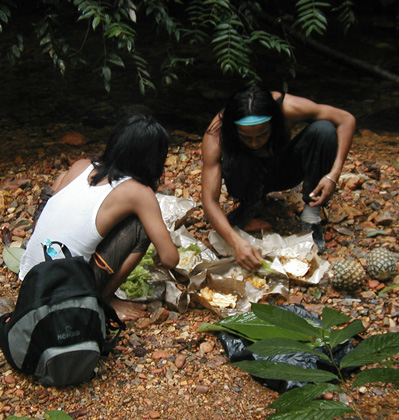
x,y
385,218
180,360
201,389
159,316
143,323
207,347
354,183
160,354
373,284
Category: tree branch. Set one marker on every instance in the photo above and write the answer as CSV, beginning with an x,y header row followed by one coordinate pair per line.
x,y
331,53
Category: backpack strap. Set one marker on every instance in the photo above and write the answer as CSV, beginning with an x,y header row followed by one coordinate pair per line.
x,y
111,317
63,247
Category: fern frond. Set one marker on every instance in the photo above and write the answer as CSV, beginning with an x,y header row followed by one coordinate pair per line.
x,y
310,17
345,14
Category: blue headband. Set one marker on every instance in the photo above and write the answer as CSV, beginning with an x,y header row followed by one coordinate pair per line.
x,y
253,120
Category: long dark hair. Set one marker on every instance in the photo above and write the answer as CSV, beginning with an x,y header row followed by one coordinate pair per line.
x,y
252,100
138,147
244,172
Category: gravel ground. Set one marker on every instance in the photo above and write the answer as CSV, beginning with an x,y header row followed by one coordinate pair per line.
x,y
163,367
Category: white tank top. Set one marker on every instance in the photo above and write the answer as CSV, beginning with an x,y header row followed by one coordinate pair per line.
x,y
69,217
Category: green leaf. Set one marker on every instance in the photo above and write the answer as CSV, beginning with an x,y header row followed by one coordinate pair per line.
x,y
15,51
248,325
115,59
315,410
284,371
106,73
369,376
332,318
387,289
298,397
3,17
372,350
340,336
45,40
376,232
286,319
12,257
275,346
96,22
57,415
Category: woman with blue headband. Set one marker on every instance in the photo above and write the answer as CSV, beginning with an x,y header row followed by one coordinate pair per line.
x,y
249,145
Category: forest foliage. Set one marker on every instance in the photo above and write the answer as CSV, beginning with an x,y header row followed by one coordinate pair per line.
x,y
233,33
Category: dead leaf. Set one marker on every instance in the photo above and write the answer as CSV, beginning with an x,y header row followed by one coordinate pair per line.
x,y
73,138
171,160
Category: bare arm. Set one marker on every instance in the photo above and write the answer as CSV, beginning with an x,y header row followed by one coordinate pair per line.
x,y
147,209
246,256
298,109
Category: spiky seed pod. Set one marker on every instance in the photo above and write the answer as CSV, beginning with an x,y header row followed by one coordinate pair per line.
x,y
381,264
346,275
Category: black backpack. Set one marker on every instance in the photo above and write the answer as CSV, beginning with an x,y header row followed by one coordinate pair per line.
x,y
58,329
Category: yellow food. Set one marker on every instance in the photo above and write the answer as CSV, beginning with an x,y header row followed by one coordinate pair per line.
x,y
220,300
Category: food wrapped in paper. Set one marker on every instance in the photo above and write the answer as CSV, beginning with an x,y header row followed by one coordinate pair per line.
x,y
227,289
297,254
192,252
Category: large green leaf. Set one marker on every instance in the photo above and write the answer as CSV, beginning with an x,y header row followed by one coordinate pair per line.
x,y
250,326
284,371
332,318
286,319
315,410
372,350
340,336
297,398
275,346
369,376
12,257
57,415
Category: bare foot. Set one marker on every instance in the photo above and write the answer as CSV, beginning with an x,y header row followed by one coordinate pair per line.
x,y
255,225
128,311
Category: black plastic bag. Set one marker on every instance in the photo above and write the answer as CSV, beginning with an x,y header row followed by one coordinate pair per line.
x,y
235,348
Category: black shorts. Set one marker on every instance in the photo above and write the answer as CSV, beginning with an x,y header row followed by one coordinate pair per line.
x,y
125,238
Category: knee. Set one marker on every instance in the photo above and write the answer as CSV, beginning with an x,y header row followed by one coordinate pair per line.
x,y
325,132
323,127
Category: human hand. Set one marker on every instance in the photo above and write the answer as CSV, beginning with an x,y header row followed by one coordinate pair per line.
x,y
322,193
247,256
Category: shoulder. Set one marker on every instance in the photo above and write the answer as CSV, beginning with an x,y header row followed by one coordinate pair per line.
x,y
79,166
298,109
132,189
74,171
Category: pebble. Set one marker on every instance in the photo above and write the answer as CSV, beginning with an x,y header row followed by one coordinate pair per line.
x,y
180,360
201,389
207,346
154,414
328,396
160,354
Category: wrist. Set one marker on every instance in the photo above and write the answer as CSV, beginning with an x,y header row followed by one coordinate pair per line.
x,y
330,178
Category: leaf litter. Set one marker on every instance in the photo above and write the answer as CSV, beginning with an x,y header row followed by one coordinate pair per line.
x,y
163,367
